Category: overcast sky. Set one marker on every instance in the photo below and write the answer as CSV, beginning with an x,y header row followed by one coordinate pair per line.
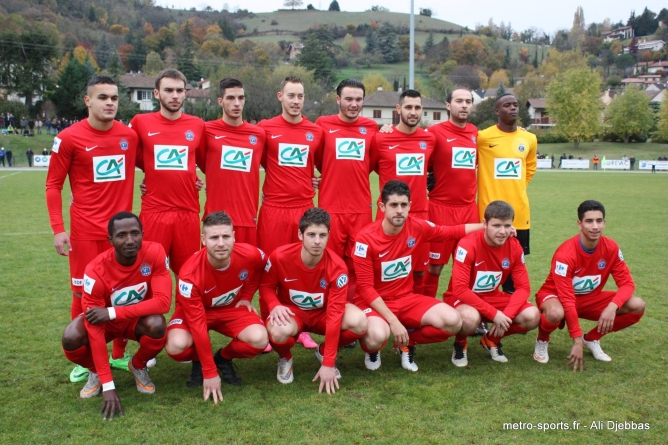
x,y
546,15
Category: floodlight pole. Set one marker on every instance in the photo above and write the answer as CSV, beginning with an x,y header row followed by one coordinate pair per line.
x,y
411,57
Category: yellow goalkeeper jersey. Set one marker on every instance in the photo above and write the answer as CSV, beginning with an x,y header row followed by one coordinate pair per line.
x,y
506,164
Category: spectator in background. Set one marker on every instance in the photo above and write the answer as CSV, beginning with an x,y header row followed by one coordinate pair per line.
x,y
48,126
632,160
595,161
31,127
23,123
10,155
2,156
653,166
39,124
10,129
29,155
570,156
45,152
552,159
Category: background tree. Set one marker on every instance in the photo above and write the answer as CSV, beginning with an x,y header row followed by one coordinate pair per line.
x,y
371,41
126,108
466,75
661,133
572,99
429,44
577,35
154,64
70,89
373,81
484,114
467,50
387,41
316,56
334,6
103,51
186,64
629,113
293,3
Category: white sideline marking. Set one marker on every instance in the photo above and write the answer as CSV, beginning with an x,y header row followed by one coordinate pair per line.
x,y
11,174
24,233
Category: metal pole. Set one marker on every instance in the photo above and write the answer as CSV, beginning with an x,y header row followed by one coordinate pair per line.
x,y
411,57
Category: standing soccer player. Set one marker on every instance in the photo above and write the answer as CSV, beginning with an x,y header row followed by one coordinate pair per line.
x,y
169,143
574,289
506,164
126,291
384,258
216,286
344,162
454,162
98,156
304,288
234,149
405,155
482,261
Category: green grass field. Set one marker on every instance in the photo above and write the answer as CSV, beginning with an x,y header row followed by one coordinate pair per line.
x,y
438,404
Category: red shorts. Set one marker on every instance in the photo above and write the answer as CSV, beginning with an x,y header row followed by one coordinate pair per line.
x,y
498,300
344,228
120,329
278,226
243,234
445,215
409,309
177,231
83,252
229,321
589,308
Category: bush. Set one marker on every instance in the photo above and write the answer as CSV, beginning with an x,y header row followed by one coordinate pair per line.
x,y
274,22
549,136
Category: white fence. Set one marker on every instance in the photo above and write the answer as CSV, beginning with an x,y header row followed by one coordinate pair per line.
x,y
544,163
575,163
41,160
647,165
616,164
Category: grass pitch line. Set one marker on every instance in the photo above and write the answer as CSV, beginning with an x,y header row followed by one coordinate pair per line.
x,y
24,233
11,174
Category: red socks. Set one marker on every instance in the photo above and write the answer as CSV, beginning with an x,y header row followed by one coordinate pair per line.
x,y
369,351
81,356
430,284
546,328
426,335
188,354
283,349
149,347
118,347
621,322
239,349
513,329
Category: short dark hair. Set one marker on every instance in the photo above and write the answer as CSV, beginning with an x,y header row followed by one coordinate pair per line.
x,y
350,83
496,102
448,98
409,93
119,216
170,73
220,218
291,79
100,80
590,205
499,210
229,82
314,216
394,187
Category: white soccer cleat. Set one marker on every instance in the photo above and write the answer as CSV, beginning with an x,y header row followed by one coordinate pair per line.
x,y
407,353
92,386
284,372
151,363
459,355
144,383
320,358
494,349
372,361
595,347
540,351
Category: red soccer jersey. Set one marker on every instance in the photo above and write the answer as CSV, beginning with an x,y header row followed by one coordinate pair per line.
x,y
203,289
405,157
384,263
454,163
145,288
233,156
168,152
288,161
288,282
576,273
344,161
479,269
101,170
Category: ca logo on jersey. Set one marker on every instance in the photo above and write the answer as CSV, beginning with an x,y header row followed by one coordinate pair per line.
x,y
410,164
486,281
507,168
226,298
292,155
171,157
108,168
129,295
348,148
306,300
236,158
586,284
463,157
395,269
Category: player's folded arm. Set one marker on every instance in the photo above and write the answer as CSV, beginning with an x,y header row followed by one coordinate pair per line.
x,y
522,291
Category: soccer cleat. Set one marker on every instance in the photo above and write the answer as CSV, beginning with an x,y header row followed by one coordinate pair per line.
x,y
540,351
407,353
120,363
372,361
79,374
196,377
482,329
151,363
226,368
351,345
494,349
92,386
320,358
595,347
284,372
144,383
306,340
459,355
268,349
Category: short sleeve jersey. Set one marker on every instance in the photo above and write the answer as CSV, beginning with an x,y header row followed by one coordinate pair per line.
x,y
506,164
233,156
101,170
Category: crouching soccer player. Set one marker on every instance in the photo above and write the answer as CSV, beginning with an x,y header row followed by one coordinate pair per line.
x,y
305,288
216,286
126,291
483,261
574,289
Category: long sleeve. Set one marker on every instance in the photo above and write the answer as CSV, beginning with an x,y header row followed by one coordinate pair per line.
x,y
255,276
522,286
363,263
622,276
461,273
59,166
441,234
562,272
94,297
336,306
531,162
190,299
269,284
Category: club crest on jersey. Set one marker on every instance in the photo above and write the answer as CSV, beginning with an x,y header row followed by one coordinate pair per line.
x,y
463,157
395,269
474,139
129,295
342,280
236,158
309,136
145,269
190,136
507,168
252,139
423,145
292,155
411,241
362,130
349,148
410,164
243,275
486,281
108,168
323,283
521,147
307,301
601,264
586,284
124,144
226,298
505,263
171,157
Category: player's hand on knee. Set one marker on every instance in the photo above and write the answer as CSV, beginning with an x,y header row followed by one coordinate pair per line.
x,y
607,318
576,358
328,379
199,184
111,403
97,315
62,243
500,324
280,315
142,188
400,334
247,304
212,388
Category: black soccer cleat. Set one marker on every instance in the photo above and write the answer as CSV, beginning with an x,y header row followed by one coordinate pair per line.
x,y
227,369
196,377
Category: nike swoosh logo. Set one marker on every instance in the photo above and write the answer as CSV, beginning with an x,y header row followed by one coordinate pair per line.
x,y
153,134
578,270
219,137
334,131
209,290
276,136
478,264
288,280
381,255
453,139
426,262
89,149
393,146
113,289
492,146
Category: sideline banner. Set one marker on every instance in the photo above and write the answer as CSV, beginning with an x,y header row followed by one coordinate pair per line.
x,y
41,160
647,165
544,163
575,163
616,164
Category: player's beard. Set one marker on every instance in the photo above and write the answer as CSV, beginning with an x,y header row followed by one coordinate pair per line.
x,y
171,106
407,122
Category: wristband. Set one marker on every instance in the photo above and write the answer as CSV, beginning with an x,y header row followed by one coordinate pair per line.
x,y
108,386
112,313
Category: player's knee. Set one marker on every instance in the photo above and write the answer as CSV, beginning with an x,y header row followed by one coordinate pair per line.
x,y
530,318
355,321
256,336
178,341
153,325
279,334
554,314
418,273
450,320
636,305
470,320
75,335
376,335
